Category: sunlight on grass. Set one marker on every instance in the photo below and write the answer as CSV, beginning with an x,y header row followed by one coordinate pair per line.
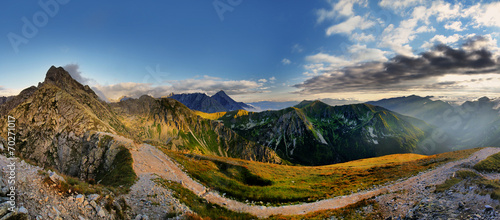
x,y
294,184
490,164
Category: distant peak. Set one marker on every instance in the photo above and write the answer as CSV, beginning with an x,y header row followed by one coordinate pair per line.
x,y
484,99
221,92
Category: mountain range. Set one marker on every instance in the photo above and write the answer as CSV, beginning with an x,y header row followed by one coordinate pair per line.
x,y
63,124
314,133
220,102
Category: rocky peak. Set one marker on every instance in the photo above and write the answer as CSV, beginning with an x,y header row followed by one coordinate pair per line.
x,y
62,79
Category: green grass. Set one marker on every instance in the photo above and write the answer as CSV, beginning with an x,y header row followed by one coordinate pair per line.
x,y
447,184
293,184
200,206
121,173
490,164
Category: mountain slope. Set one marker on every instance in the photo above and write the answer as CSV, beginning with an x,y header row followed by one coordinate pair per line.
x,y
167,122
228,102
313,133
59,124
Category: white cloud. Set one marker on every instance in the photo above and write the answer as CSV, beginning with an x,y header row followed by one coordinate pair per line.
x,y
398,38
341,8
327,58
362,37
297,48
206,84
286,61
74,71
263,80
425,29
8,92
398,4
445,10
322,62
360,53
272,78
456,25
346,27
484,14
442,39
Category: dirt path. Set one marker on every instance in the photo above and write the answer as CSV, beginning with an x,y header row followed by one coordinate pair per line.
x,y
149,160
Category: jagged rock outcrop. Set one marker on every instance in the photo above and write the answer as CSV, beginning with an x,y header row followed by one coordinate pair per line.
x,y
169,123
56,125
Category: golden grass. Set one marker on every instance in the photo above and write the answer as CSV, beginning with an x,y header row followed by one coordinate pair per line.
x,y
379,161
292,184
211,116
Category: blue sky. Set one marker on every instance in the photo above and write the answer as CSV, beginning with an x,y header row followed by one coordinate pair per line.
x,y
255,50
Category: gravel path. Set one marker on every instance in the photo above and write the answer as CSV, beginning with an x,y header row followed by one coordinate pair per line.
x,y
148,159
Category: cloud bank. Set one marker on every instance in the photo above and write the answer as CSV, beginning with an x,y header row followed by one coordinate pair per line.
x,y
478,55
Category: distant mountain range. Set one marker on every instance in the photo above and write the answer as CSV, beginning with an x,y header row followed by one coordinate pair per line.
x,y
270,105
220,102
472,124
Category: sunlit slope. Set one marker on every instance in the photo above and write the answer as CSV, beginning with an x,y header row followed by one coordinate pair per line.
x,y
271,183
167,122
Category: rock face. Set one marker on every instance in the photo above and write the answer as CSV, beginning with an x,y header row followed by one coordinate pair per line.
x,y
228,102
57,122
4,99
313,133
167,122
220,102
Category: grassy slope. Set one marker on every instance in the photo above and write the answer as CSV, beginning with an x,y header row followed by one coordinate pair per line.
x,y
291,184
490,164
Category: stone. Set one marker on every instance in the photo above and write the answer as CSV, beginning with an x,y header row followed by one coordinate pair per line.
x,y
81,218
138,217
23,210
93,204
79,198
56,178
488,208
93,197
100,212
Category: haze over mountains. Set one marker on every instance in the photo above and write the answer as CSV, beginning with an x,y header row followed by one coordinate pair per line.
x,y
472,124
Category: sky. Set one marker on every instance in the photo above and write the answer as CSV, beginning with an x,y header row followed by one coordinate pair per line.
x,y
256,50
